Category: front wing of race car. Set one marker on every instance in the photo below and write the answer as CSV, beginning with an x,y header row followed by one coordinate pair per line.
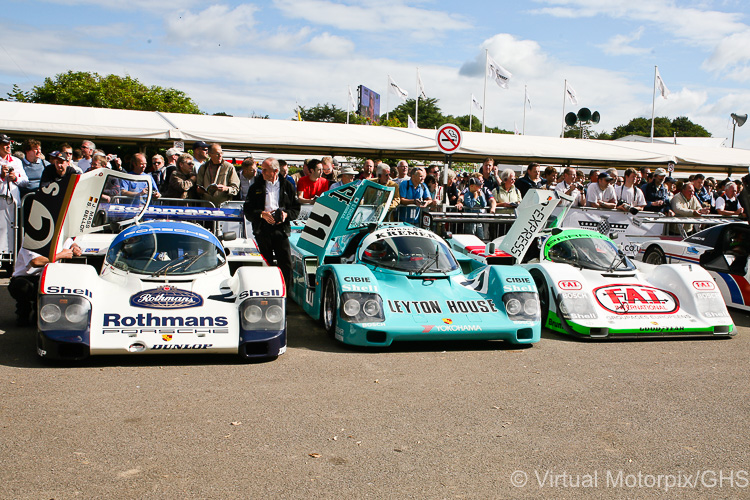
x,y
653,301
82,314
375,308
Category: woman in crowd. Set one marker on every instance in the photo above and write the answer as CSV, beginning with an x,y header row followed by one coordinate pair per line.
x,y
507,194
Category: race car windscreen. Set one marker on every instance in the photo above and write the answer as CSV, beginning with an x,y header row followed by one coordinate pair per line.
x,y
590,253
162,254
413,254
369,209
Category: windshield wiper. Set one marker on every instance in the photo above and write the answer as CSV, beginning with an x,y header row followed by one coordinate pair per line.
x,y
185,259
619,258
430,261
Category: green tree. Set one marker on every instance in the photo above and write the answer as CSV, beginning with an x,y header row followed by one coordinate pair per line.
x,y
663,127
430,115
111,91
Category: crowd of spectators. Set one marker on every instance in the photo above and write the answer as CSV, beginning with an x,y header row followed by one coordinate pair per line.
x,y
206,175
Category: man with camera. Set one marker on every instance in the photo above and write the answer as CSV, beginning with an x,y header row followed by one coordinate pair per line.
x,y
629,196
271,205
569,186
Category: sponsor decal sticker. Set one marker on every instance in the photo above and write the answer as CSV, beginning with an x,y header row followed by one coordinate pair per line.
x,y
447,321
569,285
451,328
166,297
636,299
166,338
704,285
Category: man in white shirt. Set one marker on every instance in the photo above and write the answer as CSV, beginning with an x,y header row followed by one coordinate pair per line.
x,y
87,149
602,194
569,186
629,196
12,178
727,203
24,283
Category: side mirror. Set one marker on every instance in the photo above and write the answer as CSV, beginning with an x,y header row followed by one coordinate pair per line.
x,y
229,236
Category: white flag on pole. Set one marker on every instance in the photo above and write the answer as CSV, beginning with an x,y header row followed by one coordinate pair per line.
x,y
410,122
420,86
571,93
476,104
395,89
663,90
528,99
498,73
352,102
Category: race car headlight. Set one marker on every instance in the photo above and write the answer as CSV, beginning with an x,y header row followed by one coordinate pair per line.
x,y
259,313
351,307
576,305
50,313
63,312
362,307
711,305
522,306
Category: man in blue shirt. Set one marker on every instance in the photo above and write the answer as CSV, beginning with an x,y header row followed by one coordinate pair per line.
x,y
33,164
414,196
139,188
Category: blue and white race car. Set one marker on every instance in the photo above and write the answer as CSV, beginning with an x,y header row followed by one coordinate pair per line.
x,y
162,286
721,250
372,282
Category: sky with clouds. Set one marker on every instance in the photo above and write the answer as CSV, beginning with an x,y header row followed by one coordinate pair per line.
x,y
263,58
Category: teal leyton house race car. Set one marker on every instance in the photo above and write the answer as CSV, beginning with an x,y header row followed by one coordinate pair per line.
x,y
372,282
590,289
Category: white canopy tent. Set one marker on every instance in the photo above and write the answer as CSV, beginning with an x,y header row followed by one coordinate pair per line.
x,y
313,138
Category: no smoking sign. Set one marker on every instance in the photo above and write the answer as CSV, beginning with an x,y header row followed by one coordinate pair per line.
x,y
448,138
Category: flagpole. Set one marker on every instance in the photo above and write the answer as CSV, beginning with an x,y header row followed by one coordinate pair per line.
x,y
524,110
348,103
387,91
565,90
484,98
653,104
416,113
471,110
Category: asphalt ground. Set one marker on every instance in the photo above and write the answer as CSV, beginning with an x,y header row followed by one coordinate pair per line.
x,y
559,419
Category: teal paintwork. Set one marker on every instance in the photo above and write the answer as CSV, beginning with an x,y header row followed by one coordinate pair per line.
x,y
407,277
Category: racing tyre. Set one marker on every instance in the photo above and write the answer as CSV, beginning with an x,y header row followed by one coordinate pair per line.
x,y
330,306
543,289
654,255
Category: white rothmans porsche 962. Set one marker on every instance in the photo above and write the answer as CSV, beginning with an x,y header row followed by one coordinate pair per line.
x,y
162,286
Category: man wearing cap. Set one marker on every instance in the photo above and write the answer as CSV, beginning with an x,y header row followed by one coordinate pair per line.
x,y
346,175
217,179
170,158
200,154
58,168
12,178
602,194
657,194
